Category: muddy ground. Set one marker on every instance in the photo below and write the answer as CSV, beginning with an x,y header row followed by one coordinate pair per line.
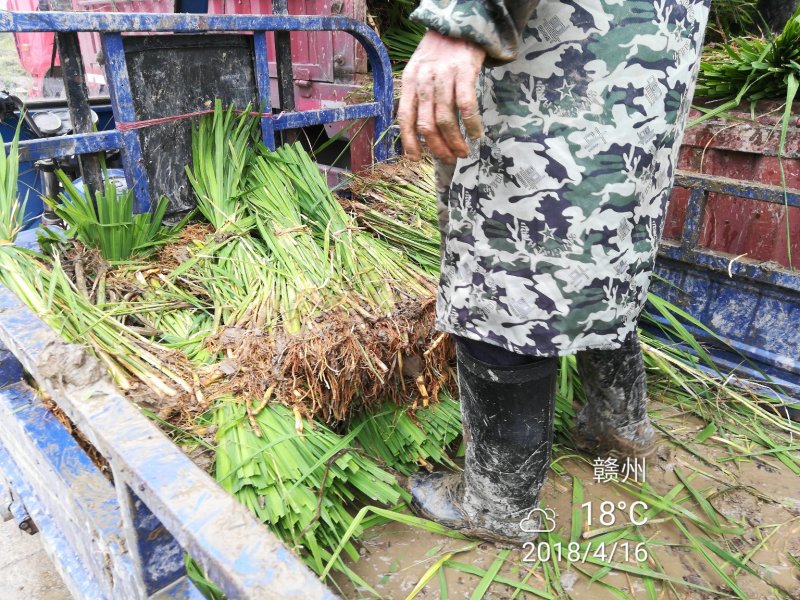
x,y
755,498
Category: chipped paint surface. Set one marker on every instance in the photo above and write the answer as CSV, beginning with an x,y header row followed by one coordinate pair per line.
x,y
725,241
738,153
68,145
753,304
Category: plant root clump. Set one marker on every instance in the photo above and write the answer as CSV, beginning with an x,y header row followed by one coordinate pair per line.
x,y
176,252
342,362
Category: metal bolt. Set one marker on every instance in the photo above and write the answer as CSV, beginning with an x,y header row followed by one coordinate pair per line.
x,y
28,526
336,7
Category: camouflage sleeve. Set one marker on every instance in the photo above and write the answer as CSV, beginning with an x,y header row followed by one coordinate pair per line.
x,y
494,24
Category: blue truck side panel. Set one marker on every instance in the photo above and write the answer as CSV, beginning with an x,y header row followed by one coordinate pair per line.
x,y
754,306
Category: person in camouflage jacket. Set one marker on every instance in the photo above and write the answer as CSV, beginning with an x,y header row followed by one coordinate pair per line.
x,y
551,211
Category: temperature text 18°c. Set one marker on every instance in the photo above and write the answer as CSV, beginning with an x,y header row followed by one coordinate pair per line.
x,y
607,516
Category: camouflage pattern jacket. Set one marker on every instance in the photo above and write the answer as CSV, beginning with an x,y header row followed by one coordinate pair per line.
x,y
552,223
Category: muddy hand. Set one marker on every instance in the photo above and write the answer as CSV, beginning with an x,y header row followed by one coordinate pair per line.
x,y
438,83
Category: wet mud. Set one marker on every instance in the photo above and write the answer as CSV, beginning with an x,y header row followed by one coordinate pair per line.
x,y
756,501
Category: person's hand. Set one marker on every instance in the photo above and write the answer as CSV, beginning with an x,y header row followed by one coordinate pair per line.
x,y
439,81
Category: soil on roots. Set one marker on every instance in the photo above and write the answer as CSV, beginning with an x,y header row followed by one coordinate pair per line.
x,y
101,283
401,171
172,255
343,361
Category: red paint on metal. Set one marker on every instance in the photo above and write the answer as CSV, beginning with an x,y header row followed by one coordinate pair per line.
x,y
320,56
35,50
746,150
310,51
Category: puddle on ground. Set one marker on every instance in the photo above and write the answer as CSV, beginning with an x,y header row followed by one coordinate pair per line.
x,y
760,496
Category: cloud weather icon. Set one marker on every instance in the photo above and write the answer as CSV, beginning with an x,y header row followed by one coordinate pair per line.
x,y
545,523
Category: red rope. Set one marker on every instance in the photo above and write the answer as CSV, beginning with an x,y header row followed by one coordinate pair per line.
x,y
123,126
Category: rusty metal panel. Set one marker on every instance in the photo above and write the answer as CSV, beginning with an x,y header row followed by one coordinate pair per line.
x,y
746,151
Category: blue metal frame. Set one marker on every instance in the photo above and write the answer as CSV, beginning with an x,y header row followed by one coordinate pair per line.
x,y
123,538
754,306
112,25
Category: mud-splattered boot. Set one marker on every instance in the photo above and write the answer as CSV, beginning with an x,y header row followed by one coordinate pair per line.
x,y
614,421
507,412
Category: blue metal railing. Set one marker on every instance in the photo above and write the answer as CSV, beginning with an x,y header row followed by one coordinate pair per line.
x,y
124,537
112,25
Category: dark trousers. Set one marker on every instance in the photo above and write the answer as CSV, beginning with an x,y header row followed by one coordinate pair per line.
x,y
495,355
613,380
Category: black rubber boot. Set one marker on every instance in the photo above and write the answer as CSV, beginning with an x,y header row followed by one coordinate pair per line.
x,y
614,421
507,412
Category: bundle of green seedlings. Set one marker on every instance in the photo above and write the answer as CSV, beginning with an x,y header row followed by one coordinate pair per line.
x,y
753,68
732,18
302,480
393,201
54,287
106,220
314,311
399,33
12,209
14,269
299,476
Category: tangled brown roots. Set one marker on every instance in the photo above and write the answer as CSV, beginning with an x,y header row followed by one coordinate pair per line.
x,y
343,361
